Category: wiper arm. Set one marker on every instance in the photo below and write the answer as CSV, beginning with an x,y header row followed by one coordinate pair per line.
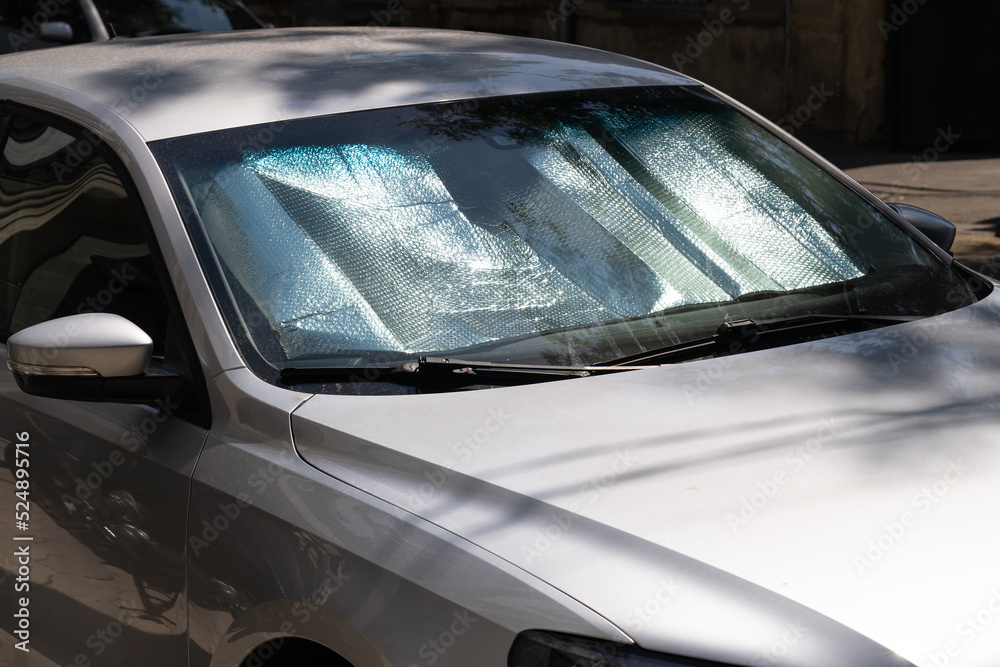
x,y
445,371
500,369
731,338
740,335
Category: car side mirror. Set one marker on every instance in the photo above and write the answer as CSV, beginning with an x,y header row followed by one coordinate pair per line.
x,y
90,357
56,31
931,225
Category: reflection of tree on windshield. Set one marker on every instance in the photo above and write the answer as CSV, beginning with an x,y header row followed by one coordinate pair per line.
x,y
131,17
526,120
138,18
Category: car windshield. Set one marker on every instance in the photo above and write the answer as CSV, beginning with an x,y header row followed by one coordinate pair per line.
x,y
570,228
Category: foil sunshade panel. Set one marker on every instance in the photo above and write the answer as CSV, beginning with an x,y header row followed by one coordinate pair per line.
x,y
388,248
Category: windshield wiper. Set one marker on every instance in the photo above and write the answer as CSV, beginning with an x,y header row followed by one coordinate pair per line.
x,y
743,335
439,370
730,338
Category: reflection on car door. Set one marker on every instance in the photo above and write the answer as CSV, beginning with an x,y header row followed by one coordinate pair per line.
x,y
108,483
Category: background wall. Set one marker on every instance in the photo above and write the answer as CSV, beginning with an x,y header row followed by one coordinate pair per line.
x,y
849,67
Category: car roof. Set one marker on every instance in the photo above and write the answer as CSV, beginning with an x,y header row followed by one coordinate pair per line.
x,y
186,84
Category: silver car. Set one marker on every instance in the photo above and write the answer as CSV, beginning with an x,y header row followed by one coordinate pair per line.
x,y
417,348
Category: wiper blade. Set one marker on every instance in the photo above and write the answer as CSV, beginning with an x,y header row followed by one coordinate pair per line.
x,y
741,335
556,372
731,338
440,370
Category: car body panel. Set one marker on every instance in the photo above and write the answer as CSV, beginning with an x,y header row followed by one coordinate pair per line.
x,y
366,566
193,79
108,513
557,476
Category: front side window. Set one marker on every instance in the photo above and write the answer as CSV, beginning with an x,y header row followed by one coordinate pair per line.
x,y
571,229
160,17
71,238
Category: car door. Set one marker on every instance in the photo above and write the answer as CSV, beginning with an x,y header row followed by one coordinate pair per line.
x,y
93,496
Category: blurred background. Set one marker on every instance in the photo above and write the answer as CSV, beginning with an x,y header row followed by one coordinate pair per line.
x,y
903,94
893,72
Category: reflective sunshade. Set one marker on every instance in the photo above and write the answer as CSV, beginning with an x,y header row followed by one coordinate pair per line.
x,y
568,227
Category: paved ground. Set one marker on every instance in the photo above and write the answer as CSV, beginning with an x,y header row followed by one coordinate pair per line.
x,y
962,187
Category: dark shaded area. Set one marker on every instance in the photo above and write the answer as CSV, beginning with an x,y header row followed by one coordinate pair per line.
x,y
846,155
942,73
897,71
293,652
22,21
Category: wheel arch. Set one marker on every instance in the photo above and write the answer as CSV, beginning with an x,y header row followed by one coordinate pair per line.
x,y
284,627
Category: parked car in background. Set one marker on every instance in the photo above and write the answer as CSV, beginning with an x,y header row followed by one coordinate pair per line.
x,y
406,348
38,24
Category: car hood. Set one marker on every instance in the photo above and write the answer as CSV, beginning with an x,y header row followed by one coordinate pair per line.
x,y
776,507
